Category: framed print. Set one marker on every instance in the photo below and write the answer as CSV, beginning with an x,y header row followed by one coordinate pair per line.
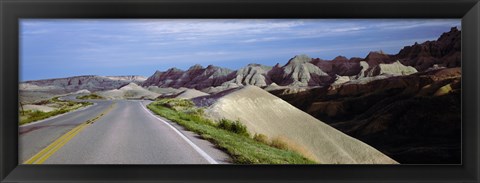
x,y
278,91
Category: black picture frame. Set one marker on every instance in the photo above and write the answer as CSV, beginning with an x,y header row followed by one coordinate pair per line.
x,y
12,10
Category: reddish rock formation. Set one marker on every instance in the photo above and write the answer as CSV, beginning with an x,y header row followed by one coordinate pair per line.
x,y
195,77
445,51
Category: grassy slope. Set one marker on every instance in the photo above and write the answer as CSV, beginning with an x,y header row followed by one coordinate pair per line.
x,y
29,116
242,148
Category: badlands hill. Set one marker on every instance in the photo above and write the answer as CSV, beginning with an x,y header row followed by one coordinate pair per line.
x,y
412,118
252,74
133,79
303,71
165,91
72,84
299,71
266,114
130,91
444,52
391,69
195,77
191,93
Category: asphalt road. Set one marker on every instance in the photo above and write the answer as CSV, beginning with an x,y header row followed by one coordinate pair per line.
x,y
126,133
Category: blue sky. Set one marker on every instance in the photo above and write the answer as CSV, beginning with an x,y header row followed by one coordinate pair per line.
x,y
70,47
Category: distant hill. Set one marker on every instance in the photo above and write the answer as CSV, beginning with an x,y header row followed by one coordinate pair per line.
x,y
130,91
299,71
303,71
71,84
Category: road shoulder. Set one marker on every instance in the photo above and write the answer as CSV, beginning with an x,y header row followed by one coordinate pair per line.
x,y
212,150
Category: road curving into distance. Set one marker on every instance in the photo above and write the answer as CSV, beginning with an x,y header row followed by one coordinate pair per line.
x,y
113,132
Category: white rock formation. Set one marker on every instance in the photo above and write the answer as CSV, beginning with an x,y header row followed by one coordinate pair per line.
x,y
363,72
302,72
392,69
82,92
191,93
253,74
130,91
339,80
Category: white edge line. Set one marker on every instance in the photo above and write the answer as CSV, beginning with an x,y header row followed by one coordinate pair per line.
x,y
200,151
43,120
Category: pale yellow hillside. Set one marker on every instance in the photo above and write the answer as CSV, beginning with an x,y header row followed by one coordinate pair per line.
x,y
267,114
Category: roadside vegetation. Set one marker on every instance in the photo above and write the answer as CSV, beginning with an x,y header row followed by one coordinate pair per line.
x,y
232,136
28,116
90,97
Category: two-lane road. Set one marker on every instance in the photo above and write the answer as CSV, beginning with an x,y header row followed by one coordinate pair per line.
x,y
124,132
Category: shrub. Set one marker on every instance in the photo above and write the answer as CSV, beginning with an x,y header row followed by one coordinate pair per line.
x,y
55,99
43,102
91,96
195,111
286,144
36,114
235,127
261,138
279,143
175,103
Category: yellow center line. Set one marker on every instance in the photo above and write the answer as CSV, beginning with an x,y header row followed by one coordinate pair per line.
x,y
48,151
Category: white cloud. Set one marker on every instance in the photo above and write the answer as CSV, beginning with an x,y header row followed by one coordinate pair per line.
x,y
254,40
203,31
35,31
214,27
415,23
208,31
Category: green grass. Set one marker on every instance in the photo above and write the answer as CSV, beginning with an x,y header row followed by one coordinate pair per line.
x,y
91,96
231,136
235,127
29,116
